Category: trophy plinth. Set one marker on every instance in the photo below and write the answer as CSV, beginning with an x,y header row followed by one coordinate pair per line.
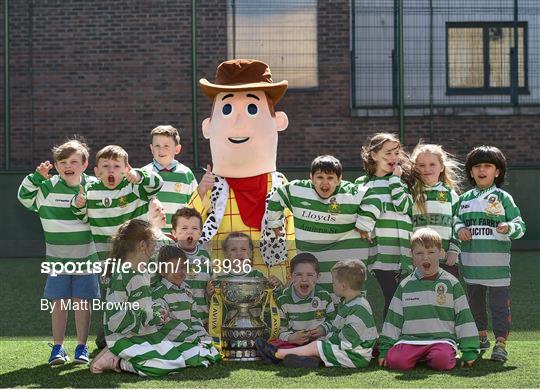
x,y
241,327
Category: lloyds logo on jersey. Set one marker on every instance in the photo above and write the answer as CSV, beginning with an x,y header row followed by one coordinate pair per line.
x,y
318,218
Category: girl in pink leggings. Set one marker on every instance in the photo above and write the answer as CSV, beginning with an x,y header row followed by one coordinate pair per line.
x,y
429,318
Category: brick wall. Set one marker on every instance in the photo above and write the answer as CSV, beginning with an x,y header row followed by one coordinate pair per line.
x,y
112,70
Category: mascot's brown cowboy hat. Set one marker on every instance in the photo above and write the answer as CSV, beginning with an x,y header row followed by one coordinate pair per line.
x,y
244,75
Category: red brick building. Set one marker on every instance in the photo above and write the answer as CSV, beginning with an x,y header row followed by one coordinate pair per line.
x,y
113,70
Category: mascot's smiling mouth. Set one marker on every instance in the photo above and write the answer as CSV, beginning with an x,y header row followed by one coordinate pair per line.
x,y
238,140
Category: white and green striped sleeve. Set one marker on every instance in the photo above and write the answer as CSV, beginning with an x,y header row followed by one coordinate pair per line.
x,y
466,330
29,189
393,323
458,223
149,185
370,209
277,205
400,194
128,318
516,226
455,242
284,330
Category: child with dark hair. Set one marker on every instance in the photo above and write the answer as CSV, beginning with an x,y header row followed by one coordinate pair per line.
x,y
187,229
487,220
173,294
348,339
326,212
304,305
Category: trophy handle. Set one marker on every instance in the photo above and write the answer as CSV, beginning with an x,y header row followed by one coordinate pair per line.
x,y
274,314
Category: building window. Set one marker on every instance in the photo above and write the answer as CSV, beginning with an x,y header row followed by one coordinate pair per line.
x,y
281,33
479,60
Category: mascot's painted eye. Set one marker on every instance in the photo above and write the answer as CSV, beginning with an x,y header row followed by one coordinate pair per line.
x,y
227,110
252,110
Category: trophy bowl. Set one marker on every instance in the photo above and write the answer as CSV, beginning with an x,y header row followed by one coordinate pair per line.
x,y
241,328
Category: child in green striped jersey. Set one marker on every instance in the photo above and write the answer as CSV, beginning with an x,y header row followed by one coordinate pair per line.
x,y
179,182
487,220
436,199
326,212
121,194
388,204
304,305
172,293
131,318
67,240
429,317
348,340
187,229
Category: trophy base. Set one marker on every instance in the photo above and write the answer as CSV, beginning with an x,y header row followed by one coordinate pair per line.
x,y
238,344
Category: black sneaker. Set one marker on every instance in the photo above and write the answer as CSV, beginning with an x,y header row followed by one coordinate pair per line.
x,y
499,353
484,344
266,351
296,361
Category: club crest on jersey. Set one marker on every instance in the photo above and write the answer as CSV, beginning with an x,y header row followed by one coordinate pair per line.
x,y
441,289
315,303
178,187
107,201
441,197
122,201
494,206
333,207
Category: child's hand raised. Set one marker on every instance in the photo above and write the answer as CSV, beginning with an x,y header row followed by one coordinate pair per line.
x,y
207,182
464,234
44,168
398,171
299,338
80,200
132,175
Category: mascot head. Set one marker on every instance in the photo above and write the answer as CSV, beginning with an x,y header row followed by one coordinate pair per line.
x,y
243,127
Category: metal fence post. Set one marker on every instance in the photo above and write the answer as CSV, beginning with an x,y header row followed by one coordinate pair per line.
x,y
7,102
514,61
194,116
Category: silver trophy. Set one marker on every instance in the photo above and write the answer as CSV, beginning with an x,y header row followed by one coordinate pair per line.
x,y
242,325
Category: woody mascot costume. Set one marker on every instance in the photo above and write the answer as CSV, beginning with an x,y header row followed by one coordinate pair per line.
x,y
234,192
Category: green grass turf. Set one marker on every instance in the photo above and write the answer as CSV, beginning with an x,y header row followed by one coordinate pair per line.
x,y
25,333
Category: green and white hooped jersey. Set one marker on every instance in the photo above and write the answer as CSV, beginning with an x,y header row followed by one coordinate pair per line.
x,y
424,312
485,259
441,207
67,238
129,321
304,313
178,186
323,227
350,337
388,204
183,324
106,209
200,272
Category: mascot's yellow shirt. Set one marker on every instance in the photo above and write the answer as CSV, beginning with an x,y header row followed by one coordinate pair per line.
x,y
232,222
